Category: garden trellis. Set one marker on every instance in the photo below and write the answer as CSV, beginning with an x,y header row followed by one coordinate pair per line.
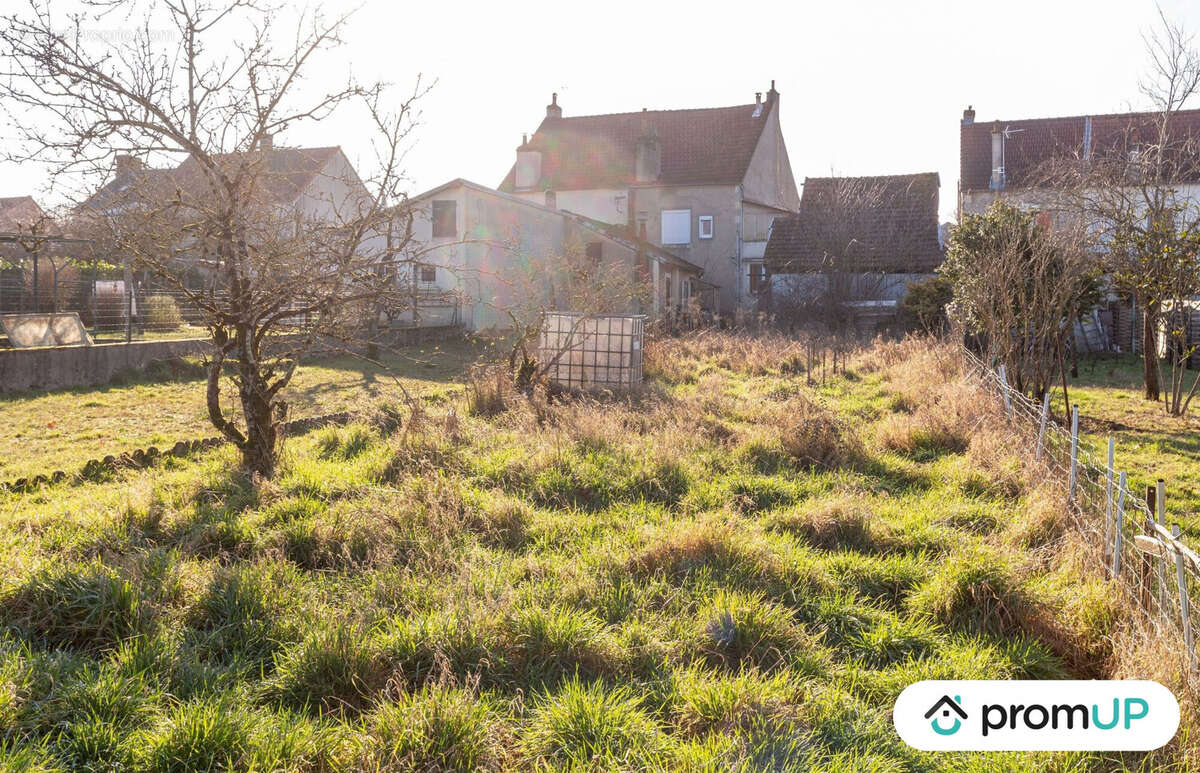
x,y
1137,549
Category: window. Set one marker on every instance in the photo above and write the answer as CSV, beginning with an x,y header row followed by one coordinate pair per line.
x,y
758,278
677,226
706,227
595,251
428,273
445,219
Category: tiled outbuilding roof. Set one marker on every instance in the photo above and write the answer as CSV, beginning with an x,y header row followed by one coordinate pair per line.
x,y
702,146
882,223
18,212
1029,144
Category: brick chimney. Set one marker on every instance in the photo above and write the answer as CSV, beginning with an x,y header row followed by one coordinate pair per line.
x,y
772,95
968,116
648,155
529,166
266,143
552,109
126,164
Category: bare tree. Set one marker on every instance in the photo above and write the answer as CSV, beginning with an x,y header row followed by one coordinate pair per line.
x,y
1133,185
280,274
1021,285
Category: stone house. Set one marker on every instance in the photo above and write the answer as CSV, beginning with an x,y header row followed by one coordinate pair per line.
x,y
703,184
498,252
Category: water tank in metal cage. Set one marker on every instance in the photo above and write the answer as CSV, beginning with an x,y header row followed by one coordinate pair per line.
x,y
592,351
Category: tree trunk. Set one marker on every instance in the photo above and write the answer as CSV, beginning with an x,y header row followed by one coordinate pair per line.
x,y
259,452
1150,351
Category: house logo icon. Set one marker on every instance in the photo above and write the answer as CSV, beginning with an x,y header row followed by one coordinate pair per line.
x,y
944,707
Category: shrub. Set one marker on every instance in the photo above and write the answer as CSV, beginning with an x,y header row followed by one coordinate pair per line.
x,y
91,608
437,729
162,313
594,728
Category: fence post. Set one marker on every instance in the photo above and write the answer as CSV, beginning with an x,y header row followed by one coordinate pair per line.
x,y
1074,451
1118,526
1108,497
1160,515
1003,375
1185,605
1042,425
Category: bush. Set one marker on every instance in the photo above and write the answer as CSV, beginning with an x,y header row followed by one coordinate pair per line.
x,y
162,313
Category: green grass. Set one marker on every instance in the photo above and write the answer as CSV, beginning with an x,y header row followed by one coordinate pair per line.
x,y
1149,443
60,430
676,581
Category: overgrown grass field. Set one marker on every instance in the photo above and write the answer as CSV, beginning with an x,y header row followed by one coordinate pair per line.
x,y
1149,443
60,430
730,571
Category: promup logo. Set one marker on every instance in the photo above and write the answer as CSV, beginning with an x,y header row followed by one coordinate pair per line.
x,y
1036,715
945,706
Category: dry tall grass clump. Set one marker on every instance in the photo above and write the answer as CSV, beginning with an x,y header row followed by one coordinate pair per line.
x,y
679,360
816,438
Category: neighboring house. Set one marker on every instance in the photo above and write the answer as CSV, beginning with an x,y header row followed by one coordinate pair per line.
x,y
317,183
862,239
495,250
1007,159
704,184
19,214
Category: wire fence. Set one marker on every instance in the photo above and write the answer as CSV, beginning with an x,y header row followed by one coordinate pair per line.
x,y
114,310
1137,550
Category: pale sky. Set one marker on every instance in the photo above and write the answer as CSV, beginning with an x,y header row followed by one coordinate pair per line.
x,y
867,87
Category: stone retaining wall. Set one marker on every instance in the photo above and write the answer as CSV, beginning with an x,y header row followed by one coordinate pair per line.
x,y
58,367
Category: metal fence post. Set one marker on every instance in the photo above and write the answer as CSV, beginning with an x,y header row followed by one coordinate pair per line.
x,y
1160,516
1185,605
1108,496
1042,425
1074,452
1118,526
128,302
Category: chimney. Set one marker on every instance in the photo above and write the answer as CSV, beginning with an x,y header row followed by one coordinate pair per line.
x,y
758,106
648,156
552,109
968,116
126,164
997,180
529,166
772,95
266,143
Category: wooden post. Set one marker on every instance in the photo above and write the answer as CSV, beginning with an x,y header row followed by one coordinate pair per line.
x,y
1003,376
1185,604
1042,425
1118,526
1144,569
1074,452
1108,498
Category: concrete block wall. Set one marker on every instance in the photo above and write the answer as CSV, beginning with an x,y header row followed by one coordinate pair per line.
x,y
59,367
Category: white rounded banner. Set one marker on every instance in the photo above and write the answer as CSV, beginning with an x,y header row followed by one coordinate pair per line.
x,y
1033,715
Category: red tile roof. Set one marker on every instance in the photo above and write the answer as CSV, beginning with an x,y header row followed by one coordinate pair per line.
x,y
1031,143
882,223
702,146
